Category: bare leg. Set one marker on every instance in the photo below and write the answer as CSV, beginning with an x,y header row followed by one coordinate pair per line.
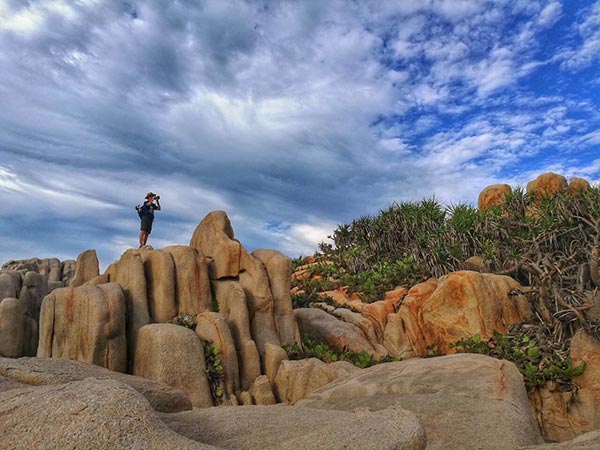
x,y
143,238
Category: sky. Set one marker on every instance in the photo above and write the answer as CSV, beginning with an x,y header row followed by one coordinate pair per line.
x,y
292,116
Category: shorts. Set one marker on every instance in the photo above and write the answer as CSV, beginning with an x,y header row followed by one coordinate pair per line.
x,y
147,225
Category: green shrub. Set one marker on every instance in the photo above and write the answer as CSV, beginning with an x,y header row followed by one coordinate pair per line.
x,y
214,370
185,320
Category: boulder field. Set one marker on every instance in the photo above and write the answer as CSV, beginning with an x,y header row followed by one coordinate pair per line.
x,y
141,354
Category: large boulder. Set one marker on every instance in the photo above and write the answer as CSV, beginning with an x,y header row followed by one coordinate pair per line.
x,y
128,271
12,327
35,288
465,401
87,324
89,414
212,327
546,184
173,355
290,428
42,371
233,306
494,195
10,284
215,239
86,268
578,185
463,303
279,271
159,269
192,286
321,326
296,380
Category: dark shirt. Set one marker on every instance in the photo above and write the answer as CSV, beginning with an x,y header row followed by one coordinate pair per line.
x,y
148,210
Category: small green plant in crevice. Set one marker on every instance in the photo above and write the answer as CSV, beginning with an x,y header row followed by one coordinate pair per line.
x,y
185,320
214,370
432,351
320,350
537,365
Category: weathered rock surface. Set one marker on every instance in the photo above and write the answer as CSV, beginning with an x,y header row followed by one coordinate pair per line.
x,y
88,414
213,327
578,185
86,268
192,286
274,355
317,324
587,441
465,401
10,284
546,184
173,355
159,269
12,328
42,371
87,324
284,427
233,306
35,288
296,380
462,304
215,239
51,268
279,271
128,271
262,392
493,195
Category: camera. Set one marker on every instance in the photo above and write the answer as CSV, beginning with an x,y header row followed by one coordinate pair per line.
x,y
158,197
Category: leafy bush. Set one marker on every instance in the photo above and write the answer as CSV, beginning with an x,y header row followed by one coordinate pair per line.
x,y
537,364
185,320
320,350
214,370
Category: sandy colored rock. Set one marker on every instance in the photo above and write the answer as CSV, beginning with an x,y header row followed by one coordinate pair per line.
x,y
464,303
371,329
214,237
68,271
318,325
466,401
395,296
35,288
246,398
30,336
290,428
274,355
12,318
51,268
159,270
396,338
192,286
261,391
587,441
561,416
296,380
86,268
476,264
255,282
86,415
233,306
546,184
87,324
173,355
128,271
578,185
494,195
42,371
378,313
213,327
279,269
10,284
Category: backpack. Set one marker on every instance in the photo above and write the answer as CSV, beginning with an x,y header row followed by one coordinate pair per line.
x,y
142,210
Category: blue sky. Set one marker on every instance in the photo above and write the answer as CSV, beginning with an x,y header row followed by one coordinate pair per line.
x,y
292,116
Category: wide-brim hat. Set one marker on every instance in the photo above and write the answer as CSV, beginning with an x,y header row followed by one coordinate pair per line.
x,y
150,194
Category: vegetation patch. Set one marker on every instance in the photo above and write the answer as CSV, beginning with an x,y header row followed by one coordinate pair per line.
x,y
314,349
185,320
214,370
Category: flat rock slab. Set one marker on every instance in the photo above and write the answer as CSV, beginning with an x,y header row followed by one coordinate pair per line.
x,y
43,371
587,441
466,401
90,414
289,428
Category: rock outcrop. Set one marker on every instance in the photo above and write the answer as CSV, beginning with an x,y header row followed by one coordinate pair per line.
x,y
547,184
173,355
87,324
42,371
465,401
89,414
494,195
87,267
291,428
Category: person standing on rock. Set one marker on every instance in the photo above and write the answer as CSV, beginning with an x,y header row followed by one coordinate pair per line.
x,y
146,213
